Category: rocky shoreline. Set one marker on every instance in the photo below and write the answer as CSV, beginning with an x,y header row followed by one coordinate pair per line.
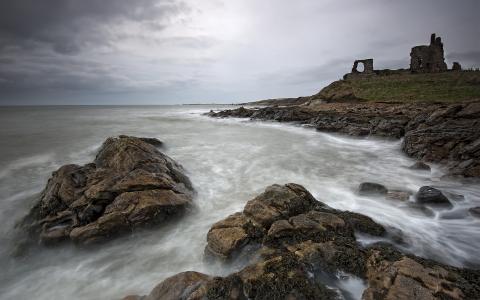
x,y
296,246
441,133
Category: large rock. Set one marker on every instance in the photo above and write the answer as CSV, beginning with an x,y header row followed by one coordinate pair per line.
x,y
430,195
130,184
447,135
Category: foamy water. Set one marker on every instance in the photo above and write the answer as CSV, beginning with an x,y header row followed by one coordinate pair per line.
x,y
229,161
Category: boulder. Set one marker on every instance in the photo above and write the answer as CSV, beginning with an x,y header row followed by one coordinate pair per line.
x,y
370,188
432,196
130,184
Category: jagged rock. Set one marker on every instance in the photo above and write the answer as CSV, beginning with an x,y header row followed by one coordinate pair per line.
x,y
447,135
419,165
287,218
430,195
130,184
371,188
393,275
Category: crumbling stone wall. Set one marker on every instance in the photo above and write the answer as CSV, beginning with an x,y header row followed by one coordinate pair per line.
x,y
367,66
428,59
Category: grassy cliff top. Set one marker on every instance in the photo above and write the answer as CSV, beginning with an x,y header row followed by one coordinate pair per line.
x,y
405,87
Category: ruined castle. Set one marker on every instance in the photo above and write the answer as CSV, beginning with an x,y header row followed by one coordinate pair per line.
x,y
428,59
423,59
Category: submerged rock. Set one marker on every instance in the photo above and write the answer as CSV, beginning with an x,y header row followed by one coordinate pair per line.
x,y
300,243
371,188
398,195
430,195
130,184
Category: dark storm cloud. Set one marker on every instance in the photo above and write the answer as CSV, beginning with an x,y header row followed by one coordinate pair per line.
x,y
67,26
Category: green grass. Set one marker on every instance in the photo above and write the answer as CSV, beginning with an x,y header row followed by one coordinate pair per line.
x,y
441,87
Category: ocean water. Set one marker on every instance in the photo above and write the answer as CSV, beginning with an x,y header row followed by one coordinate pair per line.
x,y
229,161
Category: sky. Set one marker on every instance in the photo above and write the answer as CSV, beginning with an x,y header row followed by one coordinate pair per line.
x,y
171,52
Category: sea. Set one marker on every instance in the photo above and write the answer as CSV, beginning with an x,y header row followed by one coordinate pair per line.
x,y
229,161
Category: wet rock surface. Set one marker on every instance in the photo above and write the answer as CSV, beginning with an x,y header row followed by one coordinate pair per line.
x,y
433,196
440,133
300,243
129,185
371,188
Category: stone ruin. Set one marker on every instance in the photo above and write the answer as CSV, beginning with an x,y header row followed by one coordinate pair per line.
x,y
367,66
423,59
428,59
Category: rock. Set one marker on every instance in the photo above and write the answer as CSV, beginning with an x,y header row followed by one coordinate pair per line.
x,y
475,211
281,277
398,195
240,112
152,141
420,166
370,188
302,242
430,195
130,184
447,135
185,285
392,275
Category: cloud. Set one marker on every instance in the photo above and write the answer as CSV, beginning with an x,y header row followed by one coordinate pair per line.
x,y
68,26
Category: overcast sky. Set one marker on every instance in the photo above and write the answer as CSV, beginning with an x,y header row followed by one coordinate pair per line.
x,y
168,51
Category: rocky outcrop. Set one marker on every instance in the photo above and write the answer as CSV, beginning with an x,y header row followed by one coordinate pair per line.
x,y
447,135
296,246
130,184
439,133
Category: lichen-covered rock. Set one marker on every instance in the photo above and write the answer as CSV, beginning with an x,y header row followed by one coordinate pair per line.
x,y
130,184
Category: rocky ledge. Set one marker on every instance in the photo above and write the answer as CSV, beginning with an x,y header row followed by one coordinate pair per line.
x,y
130,184
440,133
297,246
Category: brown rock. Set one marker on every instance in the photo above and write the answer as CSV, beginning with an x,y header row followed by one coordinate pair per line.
x,y
406,278
130,185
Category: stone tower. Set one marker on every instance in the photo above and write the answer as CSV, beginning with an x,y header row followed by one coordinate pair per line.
x,y
428,59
